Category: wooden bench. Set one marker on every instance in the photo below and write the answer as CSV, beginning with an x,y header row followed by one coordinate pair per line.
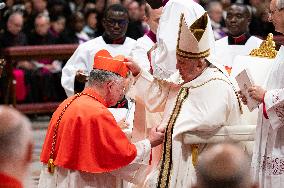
x,y
13,54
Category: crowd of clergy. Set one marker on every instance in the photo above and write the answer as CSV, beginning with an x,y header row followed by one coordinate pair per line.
x,y
175,108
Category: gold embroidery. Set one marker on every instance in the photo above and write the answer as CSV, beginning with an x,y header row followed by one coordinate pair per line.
x,y
166,165
266,49
190,55
199,26
194,153
198,34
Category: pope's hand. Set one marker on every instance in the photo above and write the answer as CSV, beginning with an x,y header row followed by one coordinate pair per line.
x,y
156,136
123,124
257,93
81,77
133,67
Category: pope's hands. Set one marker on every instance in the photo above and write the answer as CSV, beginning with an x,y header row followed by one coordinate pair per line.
x,y
81,77
156,136
123,124
133,67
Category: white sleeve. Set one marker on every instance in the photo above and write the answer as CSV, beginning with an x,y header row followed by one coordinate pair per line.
x,y
150,91
136,169
139,55
77,61
274,104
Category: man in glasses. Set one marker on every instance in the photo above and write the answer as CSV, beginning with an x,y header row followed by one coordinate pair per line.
x,y
115,23
239,41
268,156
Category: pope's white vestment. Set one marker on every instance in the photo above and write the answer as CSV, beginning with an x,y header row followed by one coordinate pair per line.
x,y
139,52
225,53
268,155
163,58
83,58
197,107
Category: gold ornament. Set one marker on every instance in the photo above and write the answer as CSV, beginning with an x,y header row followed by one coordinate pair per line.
x,y
266,48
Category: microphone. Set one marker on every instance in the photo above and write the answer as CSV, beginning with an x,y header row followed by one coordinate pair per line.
x,y
2,5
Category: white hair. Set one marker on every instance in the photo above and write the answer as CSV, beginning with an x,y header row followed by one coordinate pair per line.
x,y
99,77
280,4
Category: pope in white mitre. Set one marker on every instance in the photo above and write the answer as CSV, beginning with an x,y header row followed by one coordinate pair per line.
x,y
163,58
201,100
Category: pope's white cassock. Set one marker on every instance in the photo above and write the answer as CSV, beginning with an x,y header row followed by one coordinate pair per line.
x,y
226,53
163,58
83,58
268,156
201,107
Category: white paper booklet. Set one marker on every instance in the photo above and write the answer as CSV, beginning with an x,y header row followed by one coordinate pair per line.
x,y
245,81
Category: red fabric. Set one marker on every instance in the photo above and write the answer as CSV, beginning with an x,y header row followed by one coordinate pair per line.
x,y
9,182
150,60
21,89
264,108
104,61
228,69
88,138
240,39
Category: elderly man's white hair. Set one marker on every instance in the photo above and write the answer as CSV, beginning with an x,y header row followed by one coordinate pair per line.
x,y
280,4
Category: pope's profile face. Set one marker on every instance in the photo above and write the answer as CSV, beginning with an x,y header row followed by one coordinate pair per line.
x,y
188,68
237,20
115,24
155,4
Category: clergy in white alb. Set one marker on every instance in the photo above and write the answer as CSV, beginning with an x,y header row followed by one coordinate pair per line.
x,y
191,103
238,41
113,40
116,43
268,154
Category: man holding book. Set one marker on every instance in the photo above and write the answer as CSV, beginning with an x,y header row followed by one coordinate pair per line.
x,y
268,155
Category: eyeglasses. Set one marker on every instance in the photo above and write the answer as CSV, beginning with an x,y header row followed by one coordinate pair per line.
x,y
113,22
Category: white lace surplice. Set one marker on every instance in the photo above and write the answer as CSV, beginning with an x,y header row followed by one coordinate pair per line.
x,y
268,157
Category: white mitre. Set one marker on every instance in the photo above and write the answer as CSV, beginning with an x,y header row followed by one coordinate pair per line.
x,y
192,42
163,58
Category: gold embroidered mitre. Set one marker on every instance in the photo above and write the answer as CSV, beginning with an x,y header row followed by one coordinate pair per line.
x,y
193,41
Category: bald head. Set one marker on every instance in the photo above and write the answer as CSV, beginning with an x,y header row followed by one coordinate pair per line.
x,y
15,23
225,166
15,142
